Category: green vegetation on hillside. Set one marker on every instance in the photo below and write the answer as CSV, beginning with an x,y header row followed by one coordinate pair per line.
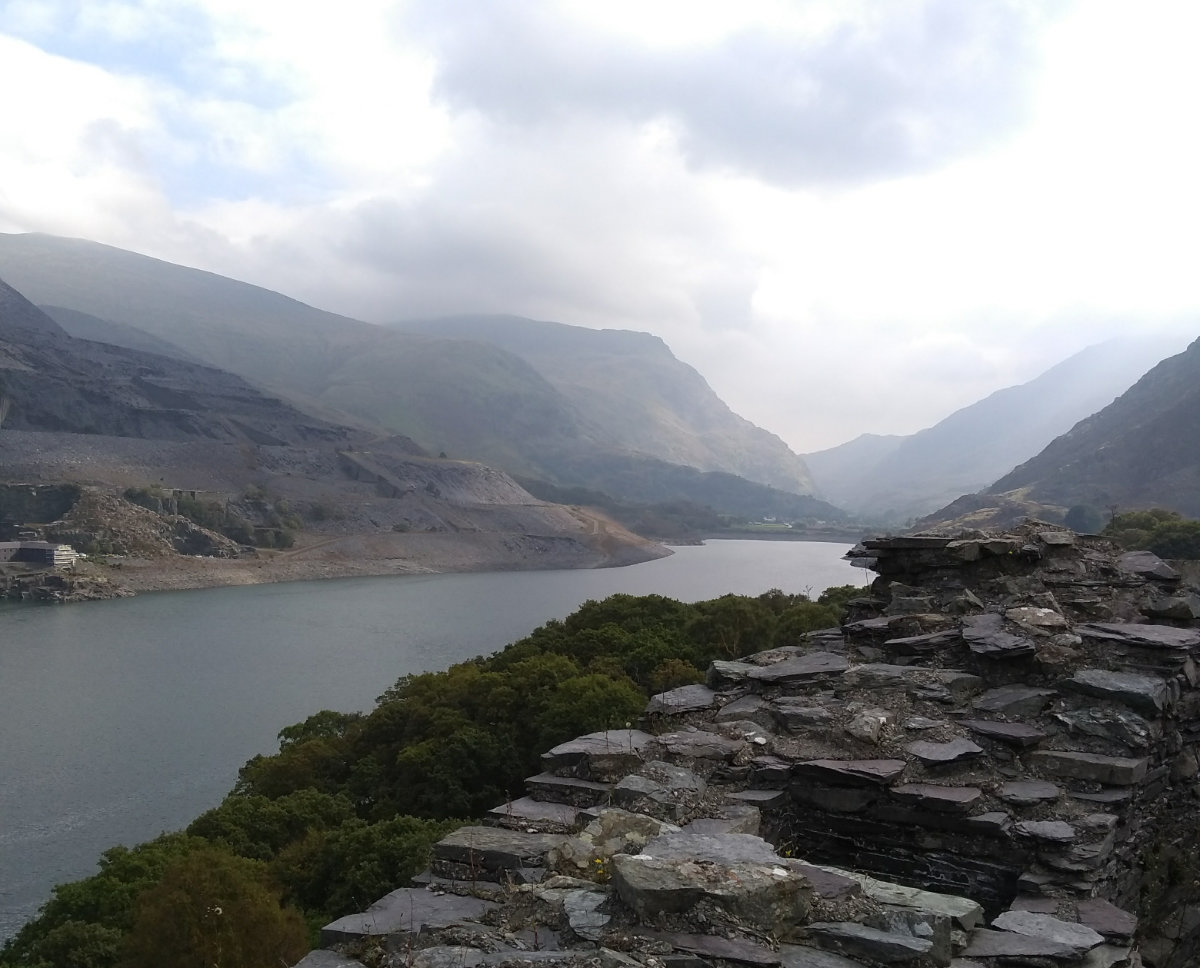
x,y
1167,533
350,806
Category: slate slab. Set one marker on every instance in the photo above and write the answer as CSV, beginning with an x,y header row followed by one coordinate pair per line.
x,y
685,699
860,941
327,959
986,636
962,911
940,799
1028,793
1037,617
1055,831
803,670
718,949
489,851
1106,918
408,910
797,713
1013,702
604,756
566,789
753,708
723,674
1145,636
800,956
985,943
526,813
1145,694
693,745
850,772
921,644
1017,735
1109,770
1046,926
943,754
1148,565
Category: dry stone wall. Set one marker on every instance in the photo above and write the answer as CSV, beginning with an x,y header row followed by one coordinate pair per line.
x,y
981,768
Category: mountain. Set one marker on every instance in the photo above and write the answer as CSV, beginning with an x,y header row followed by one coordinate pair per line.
x,y
113,418
541,413
1142,450
640,399
897,479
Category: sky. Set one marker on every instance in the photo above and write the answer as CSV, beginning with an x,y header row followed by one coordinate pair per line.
x,y
849,215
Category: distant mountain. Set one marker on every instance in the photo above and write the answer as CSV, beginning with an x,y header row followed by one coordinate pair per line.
x,y
538,412
1142,450
900,478
637,396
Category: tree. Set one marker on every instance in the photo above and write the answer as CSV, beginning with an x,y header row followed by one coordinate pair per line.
x,y
214,909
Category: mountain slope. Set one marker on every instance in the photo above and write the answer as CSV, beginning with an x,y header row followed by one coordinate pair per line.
x,y
1141,450
975,445
634,390
467,398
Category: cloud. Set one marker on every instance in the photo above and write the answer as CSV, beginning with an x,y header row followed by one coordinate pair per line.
x,y
891,90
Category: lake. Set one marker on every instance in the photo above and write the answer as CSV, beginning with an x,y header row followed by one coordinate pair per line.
x,y
126,718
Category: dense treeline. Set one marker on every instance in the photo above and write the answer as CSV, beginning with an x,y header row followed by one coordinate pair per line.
x,y
1167,533
349,807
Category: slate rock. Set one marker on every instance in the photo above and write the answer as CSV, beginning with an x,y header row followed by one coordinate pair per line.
x,y
1148,565
1109,770
447,956
943,754
694,746
1181,608
985,943
322,958
1146,694
723,674
1028,793
1144,636
529,814
921,644
753,708
1121,726
684,699
489,852
547,787
868,724
662,790
1106,918
712,949
1018,735
1037,617
801,956
1056,831
1014,702
805,669
965,913
583,915
604,756
737,873
858,940
408,910
796,713
985,635
875,773
939,799
1035,925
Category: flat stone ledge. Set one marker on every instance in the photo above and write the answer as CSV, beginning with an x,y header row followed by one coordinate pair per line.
x,y
1108,770
851,772
1018,735
407,910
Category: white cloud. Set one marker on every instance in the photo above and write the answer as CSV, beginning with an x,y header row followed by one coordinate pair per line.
x,y
848,216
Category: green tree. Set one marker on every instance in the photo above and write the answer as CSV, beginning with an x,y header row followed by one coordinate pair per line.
x,y
214,909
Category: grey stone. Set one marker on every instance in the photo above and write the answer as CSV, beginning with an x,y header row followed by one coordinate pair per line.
x,y
604,756
583,914
961,685
327,959
1181,608
752,708
736,818
1018,735
802,670
737,873
940,799
858,940
1036,617
408,910
868,724
879,675
963,912
850,772
684,699
662,790
529,814
713,949
836,799
723,674
763,799
694,746
1145,636
941,754
994,822
487,853
1115,725
1147,564
828,884
985,636
1035,925
1146,694
1108,956
923,722
448,956
547,787
799,956
1109,770
1028,793
1015,702
1006,944
1057,539
921,644
795,713
1106,918
1057,831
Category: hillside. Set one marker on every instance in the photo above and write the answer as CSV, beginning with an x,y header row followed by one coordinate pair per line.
x,y
637,394
534,412
897,479
1141,450
113,418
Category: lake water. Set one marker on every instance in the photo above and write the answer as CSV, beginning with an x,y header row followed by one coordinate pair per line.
x,y
126,718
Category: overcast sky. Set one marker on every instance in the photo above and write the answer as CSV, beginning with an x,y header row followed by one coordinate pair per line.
x,y
849,216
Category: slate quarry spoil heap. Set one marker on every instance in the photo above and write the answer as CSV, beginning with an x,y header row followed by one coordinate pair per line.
x,y
985,766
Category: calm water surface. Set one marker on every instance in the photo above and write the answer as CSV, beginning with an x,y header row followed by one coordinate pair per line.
x,y
122,719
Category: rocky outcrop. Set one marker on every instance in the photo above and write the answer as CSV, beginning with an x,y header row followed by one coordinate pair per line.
x,y
987,765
